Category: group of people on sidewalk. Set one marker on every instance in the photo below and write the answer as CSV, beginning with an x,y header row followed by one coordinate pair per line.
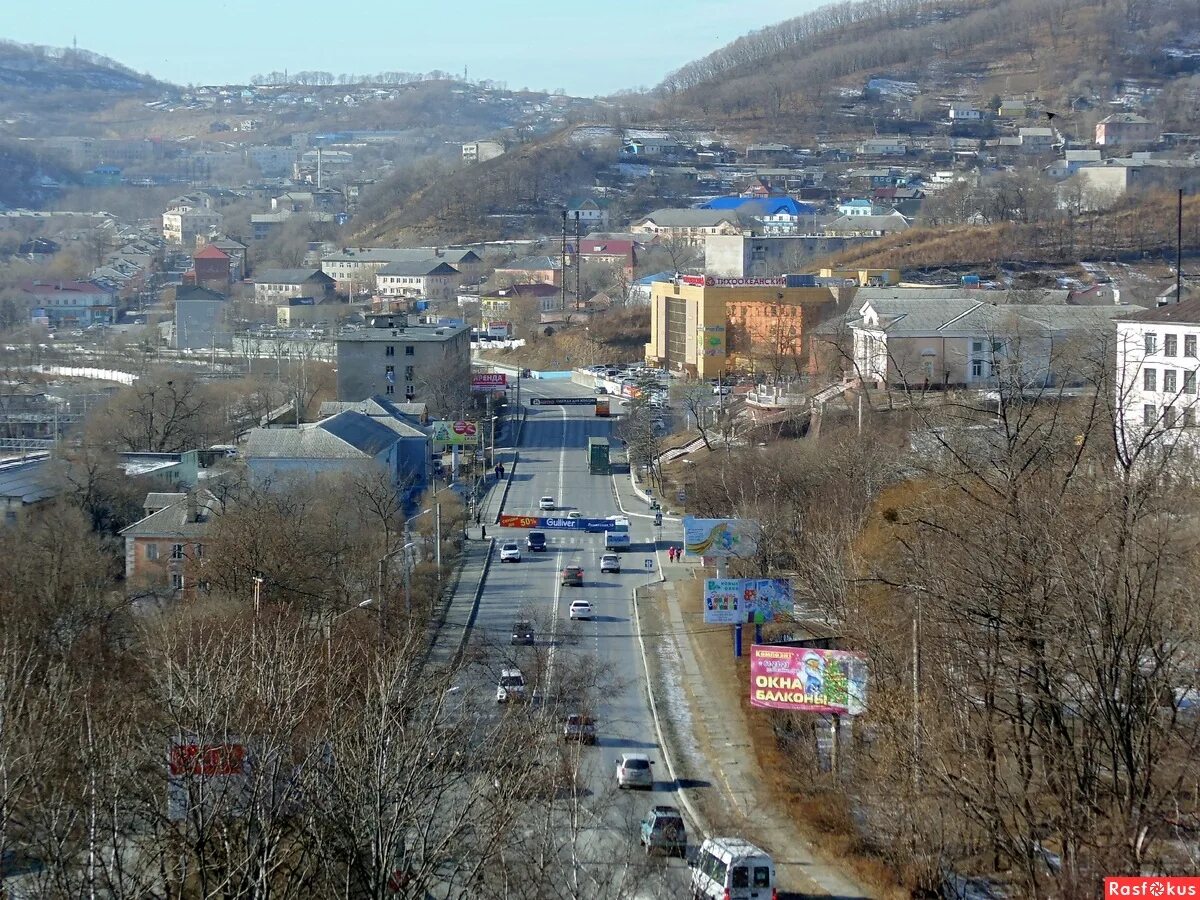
x,y
675,554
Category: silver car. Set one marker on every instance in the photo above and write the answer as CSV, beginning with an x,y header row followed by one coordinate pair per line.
x,y
633,771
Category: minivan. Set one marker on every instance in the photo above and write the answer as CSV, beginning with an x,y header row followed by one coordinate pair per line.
x,y
511,686
730,868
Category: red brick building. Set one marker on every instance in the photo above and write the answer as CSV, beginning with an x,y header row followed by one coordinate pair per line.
x,y
211,268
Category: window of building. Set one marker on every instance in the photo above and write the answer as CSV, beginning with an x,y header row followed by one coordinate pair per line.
x,y
1189,417
176,581
1170,384
1189,345
390,351
1169,416
199,551
177,551
1189,382
977,368
390,389
152,551
10,517
1170,344
1151,342
1149,414
408,373
1150,379
410,350
410,391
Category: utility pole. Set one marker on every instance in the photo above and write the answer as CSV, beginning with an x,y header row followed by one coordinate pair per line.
x,y
1179,248
563,265
578,265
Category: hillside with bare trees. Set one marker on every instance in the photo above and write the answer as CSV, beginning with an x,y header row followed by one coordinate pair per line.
x,y
1062,50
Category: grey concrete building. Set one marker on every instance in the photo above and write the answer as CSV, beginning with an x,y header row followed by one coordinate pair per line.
x,y
392,358
748,256
200,320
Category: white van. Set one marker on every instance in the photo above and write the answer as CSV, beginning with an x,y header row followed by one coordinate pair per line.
x,y
511,686
729,868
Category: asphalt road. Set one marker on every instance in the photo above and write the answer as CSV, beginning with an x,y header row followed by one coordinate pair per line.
x,y
596,664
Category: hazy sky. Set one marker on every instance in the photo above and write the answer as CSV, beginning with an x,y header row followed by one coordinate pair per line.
x,y
585,48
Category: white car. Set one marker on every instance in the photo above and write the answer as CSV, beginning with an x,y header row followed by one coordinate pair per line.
x,y
633,770
510,552
574,514
511,686
610,562
547,503
581,609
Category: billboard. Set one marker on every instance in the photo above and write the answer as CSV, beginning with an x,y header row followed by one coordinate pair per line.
x,y
553,522
732,601
489,381
804,679
722,538
455,434
212,775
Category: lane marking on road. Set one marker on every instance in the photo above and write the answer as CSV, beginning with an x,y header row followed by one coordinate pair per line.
x,y
562,464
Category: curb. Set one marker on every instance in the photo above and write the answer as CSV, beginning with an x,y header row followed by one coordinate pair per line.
x,y
662,743
456,659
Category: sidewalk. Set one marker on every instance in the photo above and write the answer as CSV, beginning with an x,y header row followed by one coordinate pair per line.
x,y
705,725
451,630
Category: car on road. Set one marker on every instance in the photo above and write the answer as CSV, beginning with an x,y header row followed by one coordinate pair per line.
x,y
535,542
731,868
601,389
610,562
633,771
547,502
581,609
663,829
572,576
511,686
522,632
573,515
579,728
510,552
723,390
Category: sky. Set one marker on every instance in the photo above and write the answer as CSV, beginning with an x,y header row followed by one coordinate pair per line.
x,y
586,48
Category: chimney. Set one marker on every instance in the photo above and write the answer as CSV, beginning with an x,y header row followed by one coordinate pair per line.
x,y
193,507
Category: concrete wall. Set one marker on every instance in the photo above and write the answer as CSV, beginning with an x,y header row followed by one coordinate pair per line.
x,y
362,364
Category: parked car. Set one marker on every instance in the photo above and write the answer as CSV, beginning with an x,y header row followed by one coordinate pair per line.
x,y
633,771
663,830
732,869
579,728
510,552
546,503
723,390
601,389
581,609
610,562
522,632
535,541
572,576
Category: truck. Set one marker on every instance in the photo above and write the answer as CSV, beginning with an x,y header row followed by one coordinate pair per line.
x,y
616,535
617,541
597,451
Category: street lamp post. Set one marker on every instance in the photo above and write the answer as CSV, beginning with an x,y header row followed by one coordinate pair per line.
x,y
365,604
407,584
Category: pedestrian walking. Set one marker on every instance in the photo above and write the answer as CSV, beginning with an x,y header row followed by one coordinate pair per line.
x,y
672,553
483,532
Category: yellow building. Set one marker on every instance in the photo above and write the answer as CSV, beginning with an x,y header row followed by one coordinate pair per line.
x,y
706,326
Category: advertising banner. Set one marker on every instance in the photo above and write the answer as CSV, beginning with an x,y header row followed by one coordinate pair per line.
x,y
562,401
723,538
213,775
732,601
461,434
489,381
803,679
554,523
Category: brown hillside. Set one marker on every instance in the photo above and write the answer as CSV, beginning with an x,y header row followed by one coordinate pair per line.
x,y
1132,232
1063,49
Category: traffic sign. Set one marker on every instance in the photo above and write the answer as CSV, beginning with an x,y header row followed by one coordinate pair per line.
x,y
563,401
649,565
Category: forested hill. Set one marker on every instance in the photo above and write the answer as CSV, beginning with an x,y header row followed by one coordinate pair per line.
x,y
35,68
1054,49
